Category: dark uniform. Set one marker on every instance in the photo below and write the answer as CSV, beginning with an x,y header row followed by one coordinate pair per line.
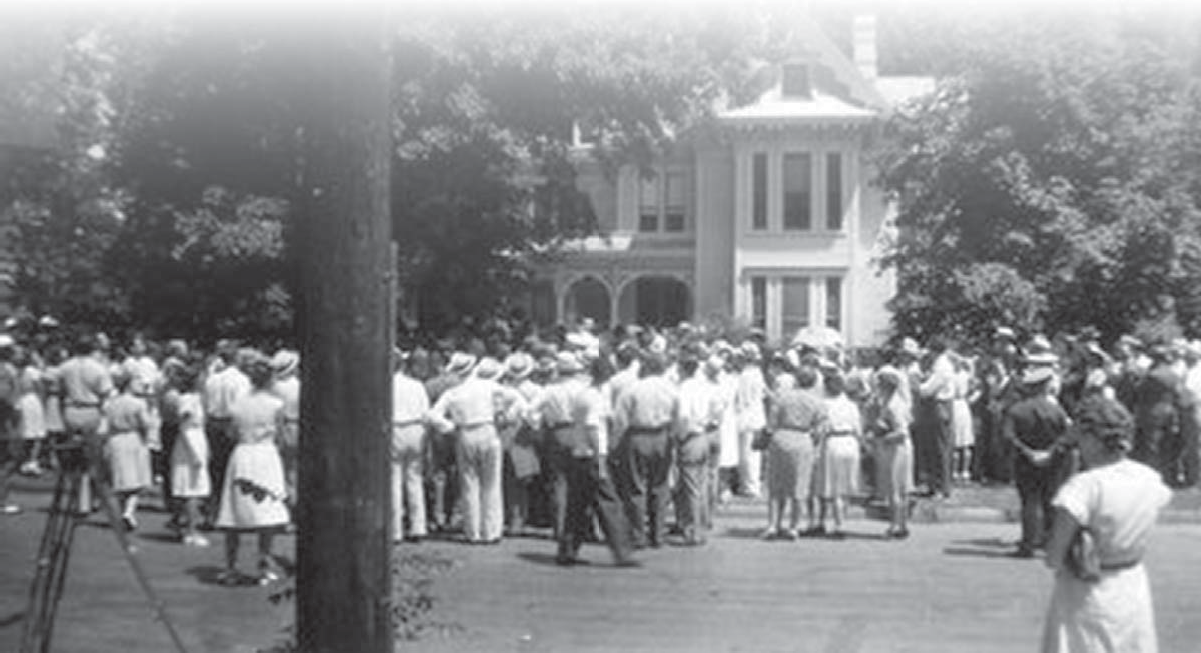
x,y
1036,425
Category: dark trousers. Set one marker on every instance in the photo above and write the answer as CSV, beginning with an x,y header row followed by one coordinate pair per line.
x,y
560,465
221,438
649,464
589,492
1190,456
941,446
1036,488
441,480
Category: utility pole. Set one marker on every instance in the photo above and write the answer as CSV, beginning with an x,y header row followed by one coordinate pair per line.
x,y
343,239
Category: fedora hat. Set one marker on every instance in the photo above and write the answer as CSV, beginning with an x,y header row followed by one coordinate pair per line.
x,y
460,363
1036,375
488,368
568,363
285,362
519,365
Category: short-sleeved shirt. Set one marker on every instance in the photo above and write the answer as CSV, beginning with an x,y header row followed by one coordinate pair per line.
x,y
86,382
1119,503
257,417
843,416
126,413
797,410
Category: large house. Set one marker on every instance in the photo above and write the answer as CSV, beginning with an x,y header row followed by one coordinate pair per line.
x,y
769,218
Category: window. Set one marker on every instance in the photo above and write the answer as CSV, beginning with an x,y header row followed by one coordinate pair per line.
x,y
759,302
759,191
834,303
834,191
794,82
673,213
798,187
794,304
662,202
648,203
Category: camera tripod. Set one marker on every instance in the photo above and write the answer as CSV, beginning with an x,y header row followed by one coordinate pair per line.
x,y
54,554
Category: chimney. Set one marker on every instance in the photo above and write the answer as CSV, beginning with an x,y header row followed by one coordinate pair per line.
x,y
863,45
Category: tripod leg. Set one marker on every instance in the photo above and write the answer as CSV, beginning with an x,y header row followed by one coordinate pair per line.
x,y
53,555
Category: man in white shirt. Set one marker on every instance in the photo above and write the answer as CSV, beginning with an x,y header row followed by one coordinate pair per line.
x,y
410,403
222,389
939,389
696,425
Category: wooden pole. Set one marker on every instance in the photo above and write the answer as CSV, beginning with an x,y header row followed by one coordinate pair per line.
x,y
343,240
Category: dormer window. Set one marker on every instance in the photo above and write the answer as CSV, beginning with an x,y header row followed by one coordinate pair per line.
x,y
795,82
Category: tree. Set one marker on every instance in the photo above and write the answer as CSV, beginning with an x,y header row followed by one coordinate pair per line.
x,y
1047,185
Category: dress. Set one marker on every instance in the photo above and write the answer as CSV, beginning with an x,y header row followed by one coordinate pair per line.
x,y
253,492
796,417
838,466
190,454
895,449
962,433
1119,504
126,450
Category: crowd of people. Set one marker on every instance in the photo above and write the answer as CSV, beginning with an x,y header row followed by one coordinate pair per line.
x,y
643,433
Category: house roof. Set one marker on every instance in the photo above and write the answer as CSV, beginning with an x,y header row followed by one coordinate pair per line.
x,y
772,108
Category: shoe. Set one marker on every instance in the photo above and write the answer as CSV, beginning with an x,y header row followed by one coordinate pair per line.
x,y
836,535
10,509
814,531
790,535
31,468
267,576
902,534
131,524
1023,553
230,578
197,540
769,534
626,563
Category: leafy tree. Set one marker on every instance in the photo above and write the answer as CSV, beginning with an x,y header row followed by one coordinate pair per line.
x,y
1047,185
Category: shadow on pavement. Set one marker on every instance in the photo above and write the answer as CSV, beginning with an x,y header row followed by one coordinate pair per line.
x,y
14,618
547,559
993,542
973,552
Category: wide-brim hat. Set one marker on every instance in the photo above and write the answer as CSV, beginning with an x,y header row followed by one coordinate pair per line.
x,y
888,375
489,368
1041,359
750,351
909,347
519,365
460,363
1036,375
568,363
1038,344
285,362
7,341
1004,333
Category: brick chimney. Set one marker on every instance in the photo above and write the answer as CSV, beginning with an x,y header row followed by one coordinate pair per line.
x,y
863,45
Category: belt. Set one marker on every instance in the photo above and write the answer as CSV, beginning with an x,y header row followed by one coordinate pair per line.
x,y
404,423
475,425
213,418
81,404
1118,566
646,430
558,426
840,434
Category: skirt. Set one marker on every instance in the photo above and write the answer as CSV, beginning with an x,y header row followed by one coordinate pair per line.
x,y
190,465
961,424
128,462
254,492
790,459
1112,614
838,470
896,461
32,416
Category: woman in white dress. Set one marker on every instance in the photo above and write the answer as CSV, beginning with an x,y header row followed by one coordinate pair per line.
x,y
1117,501
254,493
962,428
838,463
190,481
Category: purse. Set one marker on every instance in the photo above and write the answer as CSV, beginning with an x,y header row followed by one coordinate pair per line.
x,y
1083,559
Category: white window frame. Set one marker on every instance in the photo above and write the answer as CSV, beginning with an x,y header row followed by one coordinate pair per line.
x,y
774,296
818,193
660,180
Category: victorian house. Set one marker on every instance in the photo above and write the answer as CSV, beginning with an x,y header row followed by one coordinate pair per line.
x,y
770,217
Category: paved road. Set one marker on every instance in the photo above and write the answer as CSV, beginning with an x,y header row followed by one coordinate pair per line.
x,y
948,588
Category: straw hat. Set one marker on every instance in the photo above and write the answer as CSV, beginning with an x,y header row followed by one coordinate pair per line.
x,y
285,362
460,363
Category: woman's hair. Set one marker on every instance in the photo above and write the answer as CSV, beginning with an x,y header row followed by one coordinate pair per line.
x,y
600,369
835,384
806,377
258,370
1107,420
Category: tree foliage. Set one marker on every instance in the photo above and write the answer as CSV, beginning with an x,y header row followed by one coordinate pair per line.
x,y
1051,184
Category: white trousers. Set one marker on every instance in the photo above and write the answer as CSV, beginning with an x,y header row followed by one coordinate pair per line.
x,y
408,481
749,463
480,464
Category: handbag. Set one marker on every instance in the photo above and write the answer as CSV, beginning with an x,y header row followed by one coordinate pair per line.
x,y
761,440
1083,559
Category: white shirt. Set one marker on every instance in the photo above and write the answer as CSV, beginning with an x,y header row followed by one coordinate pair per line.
x,y
700,405
222,390
940,385
476,401
410,401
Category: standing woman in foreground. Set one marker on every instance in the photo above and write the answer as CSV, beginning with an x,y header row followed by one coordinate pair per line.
x,y
254,493
1116,501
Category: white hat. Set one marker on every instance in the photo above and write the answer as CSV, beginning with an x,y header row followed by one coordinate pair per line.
x,y
460,363
6,341
568,363
488,368
284,362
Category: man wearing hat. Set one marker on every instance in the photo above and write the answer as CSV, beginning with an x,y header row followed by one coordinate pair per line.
x,y
471,410
644,416
695,431
556,419
1159,410
1036,426
751,415
933,444
442,490
520,441
410,403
